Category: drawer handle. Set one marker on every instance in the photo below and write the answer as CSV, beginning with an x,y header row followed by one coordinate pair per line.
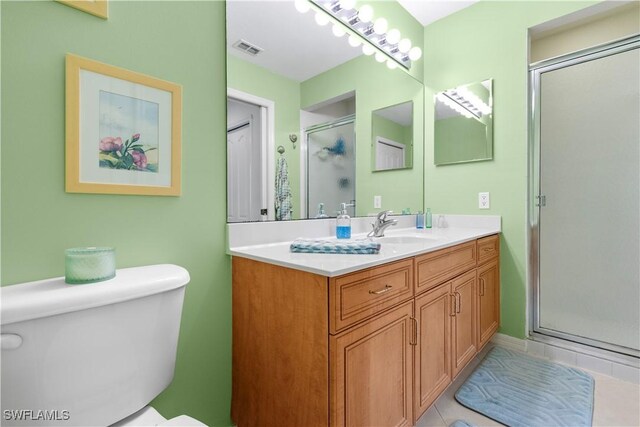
x,y
487,249
386,288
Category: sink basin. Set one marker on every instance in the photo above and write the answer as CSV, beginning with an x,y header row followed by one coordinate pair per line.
x,y
402,239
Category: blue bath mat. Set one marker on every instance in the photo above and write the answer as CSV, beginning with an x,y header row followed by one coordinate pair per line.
x,y
519,390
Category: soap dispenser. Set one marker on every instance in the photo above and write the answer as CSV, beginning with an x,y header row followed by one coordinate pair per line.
x,y
343,223
321,212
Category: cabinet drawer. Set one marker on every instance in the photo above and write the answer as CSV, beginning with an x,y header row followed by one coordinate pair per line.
x,y
488,248
363,294
438,267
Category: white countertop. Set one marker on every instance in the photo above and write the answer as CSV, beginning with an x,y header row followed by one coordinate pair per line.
x,y
331,265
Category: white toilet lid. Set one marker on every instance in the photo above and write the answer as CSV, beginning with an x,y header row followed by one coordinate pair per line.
x,y
182,421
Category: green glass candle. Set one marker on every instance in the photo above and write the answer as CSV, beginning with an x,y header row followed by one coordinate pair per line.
x,y
89,265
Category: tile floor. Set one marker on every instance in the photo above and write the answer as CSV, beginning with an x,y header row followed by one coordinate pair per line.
x,y
617,403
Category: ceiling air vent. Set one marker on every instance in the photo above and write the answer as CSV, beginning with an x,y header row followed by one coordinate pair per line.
x,y
247,47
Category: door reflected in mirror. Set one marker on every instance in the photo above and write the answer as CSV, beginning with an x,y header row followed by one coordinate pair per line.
x,y
463,129
302,143
392,131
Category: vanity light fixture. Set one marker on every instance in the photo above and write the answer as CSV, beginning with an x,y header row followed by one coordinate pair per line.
x,y
465,102
467,96
445,97
374,36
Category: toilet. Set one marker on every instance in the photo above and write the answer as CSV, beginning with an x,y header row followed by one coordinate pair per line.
x,y
94,354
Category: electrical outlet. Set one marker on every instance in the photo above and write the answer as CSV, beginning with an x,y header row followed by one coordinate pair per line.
x,y
377,202
484,202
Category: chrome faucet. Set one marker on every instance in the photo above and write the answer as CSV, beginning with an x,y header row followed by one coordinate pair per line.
x,y
381,223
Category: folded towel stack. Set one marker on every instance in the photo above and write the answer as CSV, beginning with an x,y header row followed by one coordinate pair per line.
x,y
335,246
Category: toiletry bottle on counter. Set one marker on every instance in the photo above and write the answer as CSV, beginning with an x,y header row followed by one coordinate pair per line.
x,y
343,223
321,212
427,218
420,220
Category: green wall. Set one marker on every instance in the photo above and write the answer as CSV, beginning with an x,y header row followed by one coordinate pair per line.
x,y
183,42
489,40
459,139
285,93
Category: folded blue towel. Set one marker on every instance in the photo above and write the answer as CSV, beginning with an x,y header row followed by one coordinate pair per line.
x,y
335,246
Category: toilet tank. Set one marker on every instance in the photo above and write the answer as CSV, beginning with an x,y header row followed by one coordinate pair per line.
x,y
89,355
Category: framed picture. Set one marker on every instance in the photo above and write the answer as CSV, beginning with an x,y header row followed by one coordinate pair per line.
x,y
122,131
99,8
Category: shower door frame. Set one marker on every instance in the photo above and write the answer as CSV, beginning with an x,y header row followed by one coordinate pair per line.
x,y
351,118
533,200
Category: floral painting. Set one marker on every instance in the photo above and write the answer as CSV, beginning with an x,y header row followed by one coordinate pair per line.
x,y
123,131
128,133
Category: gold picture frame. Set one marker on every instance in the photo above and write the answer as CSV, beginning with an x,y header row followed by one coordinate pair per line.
x,y
123,131
99,8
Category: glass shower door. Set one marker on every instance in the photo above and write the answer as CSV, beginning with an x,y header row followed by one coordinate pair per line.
x,y
331,167
588,219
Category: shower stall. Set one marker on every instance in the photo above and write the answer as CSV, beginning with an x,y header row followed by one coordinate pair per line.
x,y
585,197
331,166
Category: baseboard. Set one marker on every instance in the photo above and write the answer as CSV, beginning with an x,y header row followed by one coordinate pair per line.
x,y
566,353
509,342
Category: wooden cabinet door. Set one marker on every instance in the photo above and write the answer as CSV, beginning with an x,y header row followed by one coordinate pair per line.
x,y
489,301
372,371
434,311
464,338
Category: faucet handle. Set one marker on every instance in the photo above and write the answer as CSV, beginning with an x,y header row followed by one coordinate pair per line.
x,y
383,215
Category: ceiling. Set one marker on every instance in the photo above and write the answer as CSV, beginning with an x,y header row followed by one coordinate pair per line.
x,y
428,11
401,113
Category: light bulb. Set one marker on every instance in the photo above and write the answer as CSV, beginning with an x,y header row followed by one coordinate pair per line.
x,y
365,13
302,6
367,49
354,40
404,46
321,18
338,31
380,26
347,4
393,36
415,53
380,57
391,64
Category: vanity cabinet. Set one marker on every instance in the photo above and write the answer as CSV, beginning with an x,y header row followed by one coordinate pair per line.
x,y
464,333
432,359
488,289
373,347
371,371
447,317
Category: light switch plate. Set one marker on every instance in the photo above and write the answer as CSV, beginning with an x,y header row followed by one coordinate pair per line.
x,y
377,202
484,202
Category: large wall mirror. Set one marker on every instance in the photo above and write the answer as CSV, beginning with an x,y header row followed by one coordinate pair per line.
x,y
303,107
464,124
